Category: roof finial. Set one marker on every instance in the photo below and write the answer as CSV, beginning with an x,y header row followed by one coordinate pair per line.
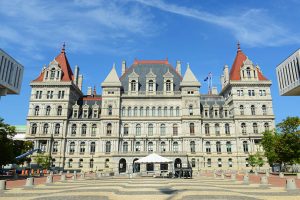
x,y
238,46
94,92
63,48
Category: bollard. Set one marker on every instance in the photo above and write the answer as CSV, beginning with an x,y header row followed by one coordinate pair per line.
x,y
222,176
2,185
264,180
82,175
246,179
267,174
49,180
61,173
29,183
298,175
75,175
233,177
290,184
63,177
68,172
281,175
51,173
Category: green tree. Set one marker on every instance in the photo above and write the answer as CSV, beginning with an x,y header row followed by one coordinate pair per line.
x,y
6,143
269,142
43,160
252,160
20,147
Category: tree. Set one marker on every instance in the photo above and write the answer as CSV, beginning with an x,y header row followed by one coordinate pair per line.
x,y
252,161
6,143
43,160
269,141
256,160
20,147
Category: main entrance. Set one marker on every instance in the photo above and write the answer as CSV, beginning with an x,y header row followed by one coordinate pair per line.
x,y
122,165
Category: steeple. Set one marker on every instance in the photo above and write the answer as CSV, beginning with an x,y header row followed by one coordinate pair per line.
x,y
189,79
112,79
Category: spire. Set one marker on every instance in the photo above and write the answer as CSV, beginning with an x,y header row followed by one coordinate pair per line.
x,y
94,92
189,79
63,48
238,46
112,79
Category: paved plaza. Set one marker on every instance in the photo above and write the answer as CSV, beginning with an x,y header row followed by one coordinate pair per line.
x,y
200,187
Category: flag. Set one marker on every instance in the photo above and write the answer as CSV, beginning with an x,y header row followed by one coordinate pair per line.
x,y
206,78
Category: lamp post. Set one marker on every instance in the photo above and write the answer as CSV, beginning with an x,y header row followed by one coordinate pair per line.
x,y
198,164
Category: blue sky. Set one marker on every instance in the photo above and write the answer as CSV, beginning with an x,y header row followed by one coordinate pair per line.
x,y
100,33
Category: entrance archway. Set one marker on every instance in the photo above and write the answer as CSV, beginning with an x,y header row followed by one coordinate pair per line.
x,y
177,163
122,165
136,166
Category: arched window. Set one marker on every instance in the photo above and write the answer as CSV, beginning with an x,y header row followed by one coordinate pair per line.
x,y
109,110
126,129
207,147
36,110
135,111
255,129
243,127
193,146
138,130
45,129
252,110
133,85
48,110
59,110
175,129
162,129
55,147
80,163
106,163
171,111
129,112
219,162
175,147
248,72
159,111
94,129
192,128
150,86
107,147
241,109
266,125
91,163
217,129
82,147
137,146
108,129
206,127
165,111
83,129
141,111
150,129
52,74
227,129
245,146
193,162
230,162
147,111
168,85
150,146
153,111
177,111
34,128
162,146
191,110
70,163
228,147
72,147
93,147
123,111
73,129
125,147
218,147
57,129
209,162
264,109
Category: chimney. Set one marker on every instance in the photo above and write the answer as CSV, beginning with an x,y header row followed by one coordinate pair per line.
x,y
76,73
222,81
226,74
123,66
178,67
80,79
89,91
214,91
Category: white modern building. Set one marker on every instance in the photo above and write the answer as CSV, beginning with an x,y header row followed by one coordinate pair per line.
x,y
11,74
150,107
288,75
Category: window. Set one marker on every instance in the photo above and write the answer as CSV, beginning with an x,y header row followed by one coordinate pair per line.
x,y
91,163
193,162
206,129
107,147
264,109
82,147
191,110
226,113
129,111
137,146
94,129
106,163
125,147
208,162
38,94
227,129
216,113
162,146
57,129
153,111
243,127
159,111
240,92
108,129
52,74
171,111
75,113
175,147
217,129
80,163
219,162
123,111
61,94
59,110
85,113
230,162
207,147
252,110
138,130
255,129
73,129
49,94
150,146
247,162
93,147
228,147
109,110
133,85
241,109
147,111
192,128
34,129
266,125
70,163
245,146
126,128
206,113
141,111
150,86
162,129
177,111
165,111
175,129
251,93
193,146
45,129
218,147
72,147
150,129
48,109
135,111
262,92
36,111
248,72
55,147
83,129
168,85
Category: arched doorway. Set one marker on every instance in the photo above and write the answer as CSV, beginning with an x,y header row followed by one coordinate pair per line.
x,y
122,165
136,166
177,163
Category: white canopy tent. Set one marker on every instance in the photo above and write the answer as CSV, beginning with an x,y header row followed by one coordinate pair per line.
x,y
153,158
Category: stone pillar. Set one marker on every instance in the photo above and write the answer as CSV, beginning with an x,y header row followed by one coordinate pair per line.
x,y
281,175
63,177
290,184
29,182
264,180
246,179
49,180
2,185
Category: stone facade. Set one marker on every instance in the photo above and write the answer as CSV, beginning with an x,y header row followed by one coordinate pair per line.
x,y
151,107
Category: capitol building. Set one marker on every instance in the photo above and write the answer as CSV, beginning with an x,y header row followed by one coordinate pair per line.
x,y
150,107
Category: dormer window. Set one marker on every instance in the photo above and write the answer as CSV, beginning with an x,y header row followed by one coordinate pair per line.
x,y
168,85
150,86
52,74
248,72
75,113
85,113
133,85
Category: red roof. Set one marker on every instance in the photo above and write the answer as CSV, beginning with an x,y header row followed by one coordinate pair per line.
x,y
237,65
92,98
64,65
136,62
